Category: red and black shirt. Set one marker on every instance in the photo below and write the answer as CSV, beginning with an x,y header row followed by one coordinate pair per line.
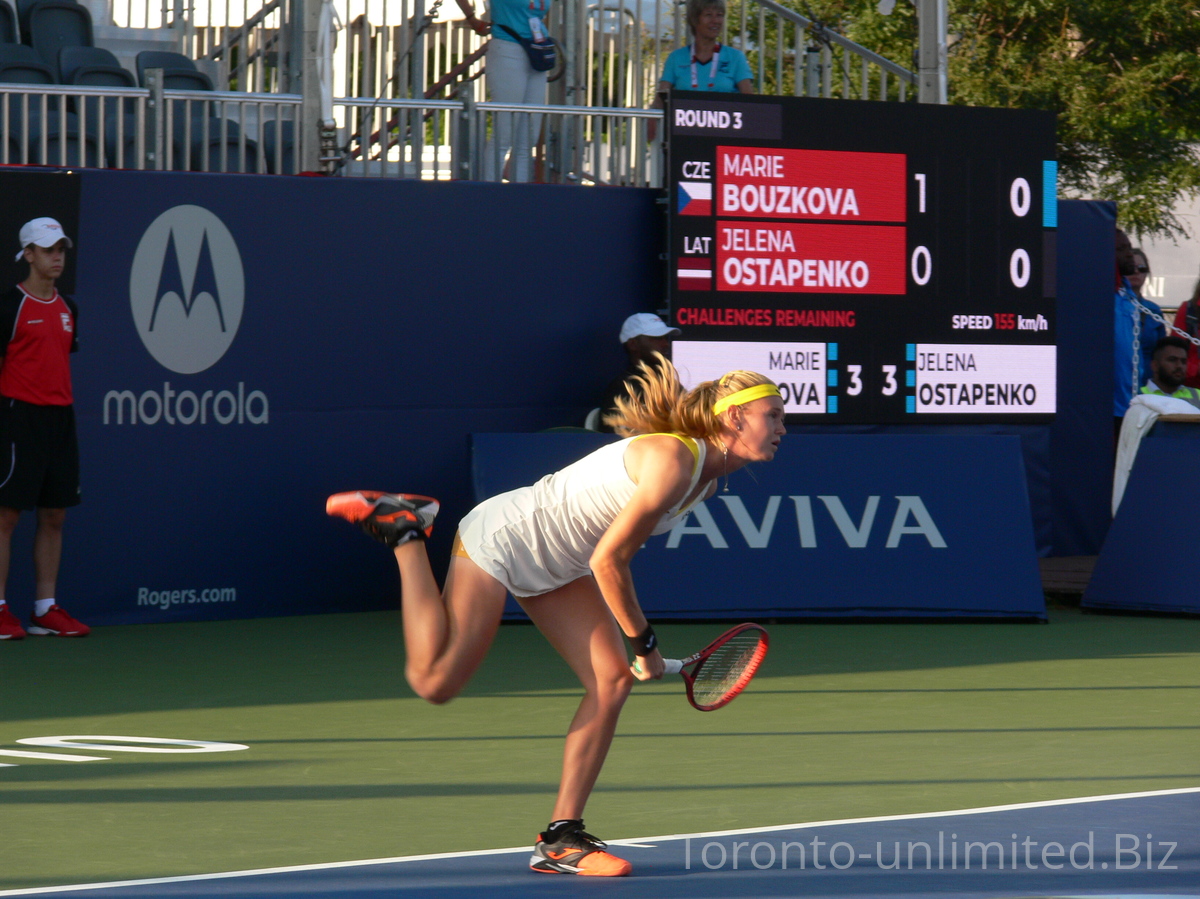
x,y
40,336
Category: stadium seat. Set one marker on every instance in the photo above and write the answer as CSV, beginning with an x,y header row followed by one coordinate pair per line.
x,y
186,80
82,147
22,65
223,153
27,123
72,58
164,59
282,135
54,24
97,67
8,24
23,16
214,141
195,124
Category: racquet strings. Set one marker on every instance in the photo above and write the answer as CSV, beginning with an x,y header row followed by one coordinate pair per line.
x,y
723,674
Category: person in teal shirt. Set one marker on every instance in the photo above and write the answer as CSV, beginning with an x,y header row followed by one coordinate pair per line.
x,y
1169,367
706,65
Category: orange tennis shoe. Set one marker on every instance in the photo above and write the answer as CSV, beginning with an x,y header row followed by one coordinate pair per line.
x,y
576,852
391,518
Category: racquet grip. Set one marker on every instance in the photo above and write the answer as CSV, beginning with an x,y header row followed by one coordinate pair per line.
x,y
672,666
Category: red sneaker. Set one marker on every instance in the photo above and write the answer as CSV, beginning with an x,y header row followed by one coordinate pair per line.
x,y
391,518
10,627
57,623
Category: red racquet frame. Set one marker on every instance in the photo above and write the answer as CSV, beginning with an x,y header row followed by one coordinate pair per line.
x,y
690,667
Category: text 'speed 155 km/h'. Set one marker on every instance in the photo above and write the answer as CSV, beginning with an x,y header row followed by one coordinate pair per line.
x,y
884,263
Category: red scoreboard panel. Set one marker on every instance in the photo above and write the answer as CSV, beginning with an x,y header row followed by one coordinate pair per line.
x,y
883,262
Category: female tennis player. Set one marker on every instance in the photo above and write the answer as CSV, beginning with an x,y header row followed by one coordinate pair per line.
x,y
562,547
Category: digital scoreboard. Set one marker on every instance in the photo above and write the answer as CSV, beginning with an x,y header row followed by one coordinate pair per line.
x,y
882,262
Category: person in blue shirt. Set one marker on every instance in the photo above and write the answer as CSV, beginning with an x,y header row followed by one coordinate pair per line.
x,y
707,64
1130,311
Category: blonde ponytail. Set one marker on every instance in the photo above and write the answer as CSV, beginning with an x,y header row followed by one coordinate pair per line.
x,y
658,403
653,397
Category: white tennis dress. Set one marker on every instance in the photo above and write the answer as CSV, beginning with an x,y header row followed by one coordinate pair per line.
x,y
536,539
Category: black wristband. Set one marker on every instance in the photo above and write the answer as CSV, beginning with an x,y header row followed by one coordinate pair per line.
x,y
644,643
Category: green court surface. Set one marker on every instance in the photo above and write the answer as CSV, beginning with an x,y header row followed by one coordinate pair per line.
x,y
844,720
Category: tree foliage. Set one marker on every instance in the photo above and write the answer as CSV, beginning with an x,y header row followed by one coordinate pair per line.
x,y
1123,78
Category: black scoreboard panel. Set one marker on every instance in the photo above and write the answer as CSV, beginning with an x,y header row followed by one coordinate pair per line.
x,y
883,262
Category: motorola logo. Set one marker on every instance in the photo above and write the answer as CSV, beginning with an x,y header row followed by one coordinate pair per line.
x,y
187,289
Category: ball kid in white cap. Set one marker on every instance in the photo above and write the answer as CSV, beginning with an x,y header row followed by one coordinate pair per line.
x,y
42,232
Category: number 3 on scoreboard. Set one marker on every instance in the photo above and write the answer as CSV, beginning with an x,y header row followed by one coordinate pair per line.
x,y
855,386
889,380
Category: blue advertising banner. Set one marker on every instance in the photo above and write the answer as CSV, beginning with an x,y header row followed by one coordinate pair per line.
x,y
250,345
1136,571
840,526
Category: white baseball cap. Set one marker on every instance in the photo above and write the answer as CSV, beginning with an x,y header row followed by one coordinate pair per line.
x,y
45,232
646,323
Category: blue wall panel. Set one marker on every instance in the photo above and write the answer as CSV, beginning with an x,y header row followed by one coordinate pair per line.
x,y
836,526
1133,572
1079,464
381,323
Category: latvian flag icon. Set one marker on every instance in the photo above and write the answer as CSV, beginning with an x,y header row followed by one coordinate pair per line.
x,y
695,198
695,273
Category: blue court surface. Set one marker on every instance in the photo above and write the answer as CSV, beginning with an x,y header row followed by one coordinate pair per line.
x,y
1127,846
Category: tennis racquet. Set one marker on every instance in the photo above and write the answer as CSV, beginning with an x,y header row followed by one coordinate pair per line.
x,y
721,670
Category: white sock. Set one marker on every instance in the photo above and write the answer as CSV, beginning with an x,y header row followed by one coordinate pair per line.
x,y
42,606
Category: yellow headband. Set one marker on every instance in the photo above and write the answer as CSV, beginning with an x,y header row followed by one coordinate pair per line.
x,y
758,391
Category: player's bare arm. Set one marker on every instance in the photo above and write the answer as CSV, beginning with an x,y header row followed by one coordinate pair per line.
x,y
662,468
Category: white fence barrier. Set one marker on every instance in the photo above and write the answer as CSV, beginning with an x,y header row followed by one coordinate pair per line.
x,y
149,128
444,139
614,49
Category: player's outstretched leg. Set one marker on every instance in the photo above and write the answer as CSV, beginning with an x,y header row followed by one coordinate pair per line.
x,y
390,518
446,633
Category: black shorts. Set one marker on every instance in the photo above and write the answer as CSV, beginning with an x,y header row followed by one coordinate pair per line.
x,y
39,456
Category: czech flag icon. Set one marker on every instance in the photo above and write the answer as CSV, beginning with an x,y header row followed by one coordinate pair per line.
x,y
695,198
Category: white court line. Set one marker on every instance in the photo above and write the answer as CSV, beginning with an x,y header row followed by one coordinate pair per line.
x,y
1047,803
644,842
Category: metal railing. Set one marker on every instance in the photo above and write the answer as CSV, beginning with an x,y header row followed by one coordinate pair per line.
x,y
445,139
615,49
250,54
804,58
85,126
392,62
245,42
149,128
596,134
